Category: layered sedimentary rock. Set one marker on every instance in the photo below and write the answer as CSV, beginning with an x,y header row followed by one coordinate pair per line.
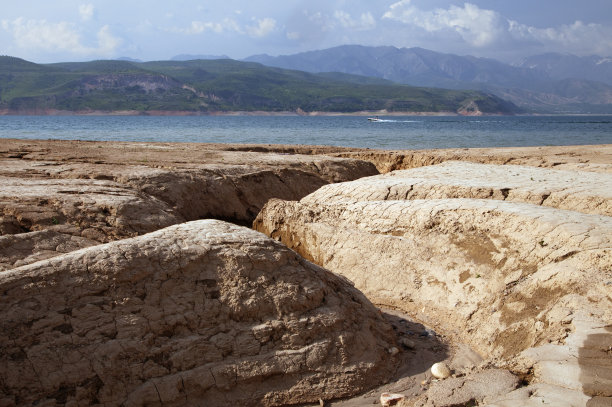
x,y
593,158
202,313
504,274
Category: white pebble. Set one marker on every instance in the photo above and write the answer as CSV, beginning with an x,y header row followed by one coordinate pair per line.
x,y
440,370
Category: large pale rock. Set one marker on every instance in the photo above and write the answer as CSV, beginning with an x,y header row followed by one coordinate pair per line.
x,y
202,313
594,158
503,274
572,190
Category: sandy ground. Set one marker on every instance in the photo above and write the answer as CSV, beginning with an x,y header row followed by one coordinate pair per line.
x,y
587,157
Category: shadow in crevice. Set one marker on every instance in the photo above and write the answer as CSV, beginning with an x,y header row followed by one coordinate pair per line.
x,y
595,361
420,346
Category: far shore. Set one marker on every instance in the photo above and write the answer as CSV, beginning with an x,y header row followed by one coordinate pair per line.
x,y
55,112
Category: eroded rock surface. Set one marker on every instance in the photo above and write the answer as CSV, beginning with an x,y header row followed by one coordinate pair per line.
x,y
482,267
25,248
576,372
576,191
108,191
94,209
473,389
594,158
501,275
202,313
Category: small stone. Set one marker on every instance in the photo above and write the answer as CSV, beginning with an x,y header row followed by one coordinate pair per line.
x,y
393,351
408,343
391,399
440,370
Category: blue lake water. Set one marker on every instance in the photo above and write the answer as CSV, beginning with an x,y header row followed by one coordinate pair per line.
x,y
406,132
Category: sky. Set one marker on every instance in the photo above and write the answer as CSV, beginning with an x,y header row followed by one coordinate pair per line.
x,y
46,31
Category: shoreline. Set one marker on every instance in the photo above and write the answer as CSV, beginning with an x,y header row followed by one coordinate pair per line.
x,y
53,112
178,113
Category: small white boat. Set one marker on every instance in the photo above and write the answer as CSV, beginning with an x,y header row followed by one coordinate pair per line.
x,y
373,119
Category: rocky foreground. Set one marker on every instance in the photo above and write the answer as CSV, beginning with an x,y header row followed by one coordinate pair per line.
x,y
115,293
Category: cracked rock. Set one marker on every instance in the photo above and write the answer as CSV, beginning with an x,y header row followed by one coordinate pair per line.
x,y
201,313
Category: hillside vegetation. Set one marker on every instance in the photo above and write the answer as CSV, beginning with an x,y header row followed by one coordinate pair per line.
x,y
210,86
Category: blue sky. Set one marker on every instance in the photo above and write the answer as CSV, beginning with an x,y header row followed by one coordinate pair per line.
x,y
69,30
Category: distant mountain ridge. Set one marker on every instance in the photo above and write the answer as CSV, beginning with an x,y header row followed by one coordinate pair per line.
x,y
213,86
191,57
565,66
543,83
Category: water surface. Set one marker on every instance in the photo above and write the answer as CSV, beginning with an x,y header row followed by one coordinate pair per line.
x,y
406,132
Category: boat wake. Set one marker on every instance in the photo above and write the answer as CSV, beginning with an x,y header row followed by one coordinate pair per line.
x,y
392,121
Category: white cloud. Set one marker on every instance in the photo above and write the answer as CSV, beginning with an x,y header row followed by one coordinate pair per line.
x,y
86,11
198,27
319,20
482,28
39,34
476,26
365,22
262,28
42,35
107,43
572,34
293,35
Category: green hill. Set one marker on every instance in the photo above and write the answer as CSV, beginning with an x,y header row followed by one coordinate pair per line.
x,y
207,86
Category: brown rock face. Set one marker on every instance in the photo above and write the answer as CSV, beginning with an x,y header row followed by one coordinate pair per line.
x,y
202,313
25,248
594,158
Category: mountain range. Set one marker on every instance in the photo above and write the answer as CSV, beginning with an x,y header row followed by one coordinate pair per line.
x,y
547,83
212,86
